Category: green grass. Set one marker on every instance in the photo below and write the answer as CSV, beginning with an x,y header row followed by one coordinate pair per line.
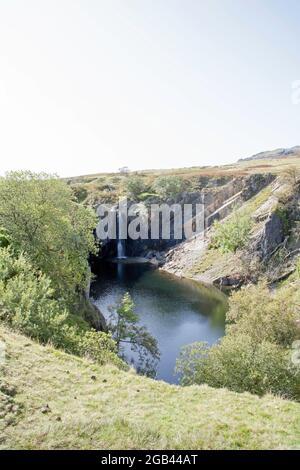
x,y
107,187
275,166
94,407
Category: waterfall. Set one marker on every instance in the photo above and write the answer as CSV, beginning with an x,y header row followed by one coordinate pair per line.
x,y
121,250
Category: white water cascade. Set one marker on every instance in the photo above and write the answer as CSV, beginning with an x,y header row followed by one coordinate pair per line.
x,y
121,249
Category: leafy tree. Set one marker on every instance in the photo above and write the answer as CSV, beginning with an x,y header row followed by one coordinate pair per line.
x,y
126,330
254,311
240,364
134,186
168,186
233,234
40,217
27,305
255,353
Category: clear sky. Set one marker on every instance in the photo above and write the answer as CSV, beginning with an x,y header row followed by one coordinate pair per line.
x,y
92,85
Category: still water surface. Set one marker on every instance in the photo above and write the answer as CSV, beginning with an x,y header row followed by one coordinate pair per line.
x,y
175,311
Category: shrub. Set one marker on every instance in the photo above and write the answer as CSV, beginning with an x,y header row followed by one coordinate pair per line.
x,y
168,186
240,364
27,305
233,234
291,175
41,218
134,186
255,354
4,238
265,317
283,214
80,192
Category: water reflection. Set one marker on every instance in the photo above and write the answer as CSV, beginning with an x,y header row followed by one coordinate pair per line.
x,y
175,311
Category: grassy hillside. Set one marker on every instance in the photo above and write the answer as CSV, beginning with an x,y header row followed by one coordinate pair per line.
x,y
242,167
49,399
108,187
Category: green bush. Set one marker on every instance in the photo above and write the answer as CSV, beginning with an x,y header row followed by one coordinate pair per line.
x,y
233,234
168,186
27,305
255,354
41,218
240,364
80,192
134,186
4,238
283,214
264,316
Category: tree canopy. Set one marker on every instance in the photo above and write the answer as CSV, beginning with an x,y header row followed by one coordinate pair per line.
x,y
40,216
125,328
168,186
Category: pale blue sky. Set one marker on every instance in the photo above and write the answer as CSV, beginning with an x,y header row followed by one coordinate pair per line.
x,y
92,85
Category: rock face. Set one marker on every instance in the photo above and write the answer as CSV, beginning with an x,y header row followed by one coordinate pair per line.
x,y
183,256
91,313
219,201
255,183
229,271
231,282
271,236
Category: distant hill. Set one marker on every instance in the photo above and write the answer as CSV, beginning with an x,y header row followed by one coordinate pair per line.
x,y
272,154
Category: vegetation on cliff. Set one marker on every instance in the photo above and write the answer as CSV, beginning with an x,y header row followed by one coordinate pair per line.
x,y
255,355
41,218
256,245
46,239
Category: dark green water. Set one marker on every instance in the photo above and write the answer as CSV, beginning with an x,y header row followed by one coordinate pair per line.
x,y
175,311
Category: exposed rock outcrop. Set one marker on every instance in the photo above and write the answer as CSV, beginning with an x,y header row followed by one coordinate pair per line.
x,y
270,251
272,234
180,260
252,184
92,314
219,201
